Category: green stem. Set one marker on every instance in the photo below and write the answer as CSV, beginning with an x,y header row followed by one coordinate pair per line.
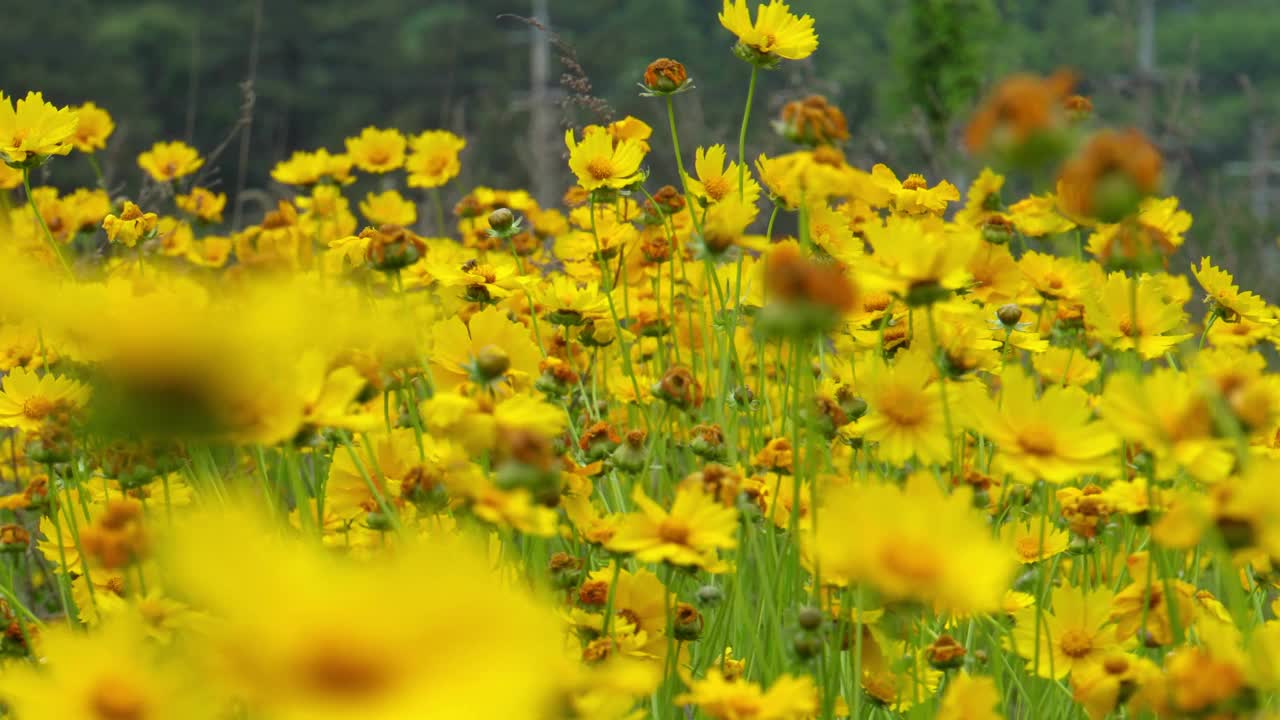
x,y
31,200
742,134
684,179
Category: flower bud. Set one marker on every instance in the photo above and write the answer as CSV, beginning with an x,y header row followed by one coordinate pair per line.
x,y
807,645
565,570
501,220
1009,315
598,441
688,623
708,442
491,363
945,653
709,595
810,618
14,538
629,456
665,76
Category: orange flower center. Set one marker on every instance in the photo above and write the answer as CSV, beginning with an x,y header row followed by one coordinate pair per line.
x,y
1076,643
902,407
1037,441
1029,547
600,168
914,182
36,408
717,187
674,531
911,561
116,701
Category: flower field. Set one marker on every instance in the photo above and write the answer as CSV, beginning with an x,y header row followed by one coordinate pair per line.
x,y
777,438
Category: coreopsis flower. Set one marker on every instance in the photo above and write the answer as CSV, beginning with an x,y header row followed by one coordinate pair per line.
x,y
788,698
433,158
689,534
1226,299
168,161
665,76
913,196
1109,316
725,225
309,168
113,672
388,208
1027,544
489,351
377,150
970,697
920,260
1109,177
1065,366
715,181
94,128
1074,634
130,226
813,121
565,302
1022,117
631,128
1048,438
1156,232
776,33
982,200
803,296
203,203
1145,607
1040,215
599,162
914,543
904,410
639,599
10,177
28,399
32,129
1116,681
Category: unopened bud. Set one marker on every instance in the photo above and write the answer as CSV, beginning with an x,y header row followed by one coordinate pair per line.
x,y
1009,315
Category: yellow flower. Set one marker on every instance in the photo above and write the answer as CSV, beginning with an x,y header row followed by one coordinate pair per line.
x,y
919,259
1038,215
1116,680
112,672
168,161
94,128
788,698
203,203
904,415
970,697
1109,316
1143,607
598,163
376,150
776,33
982,199
33,129
913,543
715,181
913,196
1026,541
631,128
565,302
1158,227
1226,299
1074,634
304,168
490,350
433,160
688,535
1065,366
389,208
130,226
27,399
1049,438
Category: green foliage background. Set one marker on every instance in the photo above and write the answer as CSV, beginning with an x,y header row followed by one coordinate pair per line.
x,y
905,72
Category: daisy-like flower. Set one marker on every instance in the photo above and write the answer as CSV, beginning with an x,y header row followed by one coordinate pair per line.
x,y
688,535
904,411
168,161
913,196
1027,544
1048,438
377,150
1157,230
1109,316
309,168
788,698
205,204
489,350
433,160
776,32
1065,366
715,181
564,302
1226,299
130,226
600,163
31,130
970,697
1075,634
94,128
27,398
389,208
919,259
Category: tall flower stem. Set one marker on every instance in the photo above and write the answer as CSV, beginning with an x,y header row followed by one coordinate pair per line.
x,y
742,134
31,200
684,180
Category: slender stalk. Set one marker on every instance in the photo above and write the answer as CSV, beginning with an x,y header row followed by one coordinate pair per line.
x,y
742,134
53,244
